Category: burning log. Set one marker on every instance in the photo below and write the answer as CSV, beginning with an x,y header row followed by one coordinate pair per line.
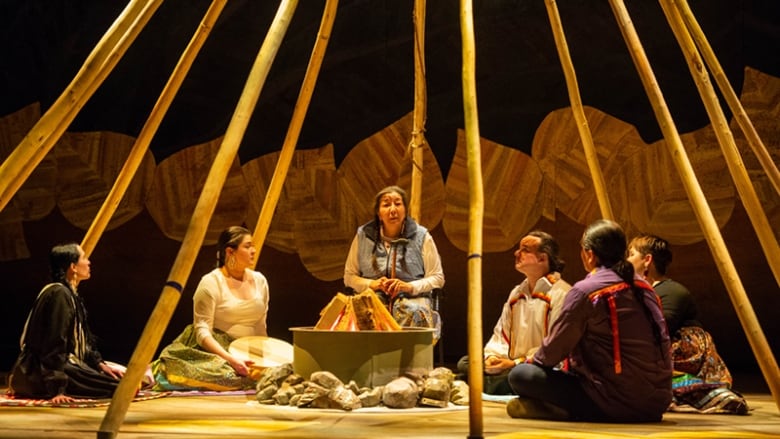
x,y
362,311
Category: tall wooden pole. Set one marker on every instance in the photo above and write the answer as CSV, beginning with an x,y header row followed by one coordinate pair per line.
x,y
747,194
418,141
476,214
720,125
294,130
149,129
49,128
196,231
591,156
703,213
730,96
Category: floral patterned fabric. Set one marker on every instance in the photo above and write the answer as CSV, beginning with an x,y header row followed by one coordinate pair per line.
x,y
701,382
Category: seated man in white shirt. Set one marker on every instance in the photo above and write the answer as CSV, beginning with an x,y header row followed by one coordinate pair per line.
x,y
527,314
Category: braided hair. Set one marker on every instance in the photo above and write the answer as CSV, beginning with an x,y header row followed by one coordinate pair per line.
x,y
402,241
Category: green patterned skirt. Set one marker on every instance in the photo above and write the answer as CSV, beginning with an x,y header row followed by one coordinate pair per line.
x,y
184,365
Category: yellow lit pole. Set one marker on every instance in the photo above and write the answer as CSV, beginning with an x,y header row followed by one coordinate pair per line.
x,y
107,52
196,231
294,130
476,214
730,96
748,196
418,141
591,156
141,145
720,125
695,194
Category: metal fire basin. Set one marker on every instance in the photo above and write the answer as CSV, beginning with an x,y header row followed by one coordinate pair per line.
x,y
370,358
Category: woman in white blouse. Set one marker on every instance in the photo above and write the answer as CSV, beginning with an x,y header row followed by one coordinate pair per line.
x,y
230,302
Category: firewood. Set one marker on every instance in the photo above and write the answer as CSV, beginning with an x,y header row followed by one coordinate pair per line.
x,y
330,315
382,315
364,311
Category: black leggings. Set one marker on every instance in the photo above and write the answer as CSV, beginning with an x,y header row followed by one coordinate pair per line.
x,y
555,387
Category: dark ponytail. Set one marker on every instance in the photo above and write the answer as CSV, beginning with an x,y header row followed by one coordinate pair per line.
x,y
607,241
230,237
60,258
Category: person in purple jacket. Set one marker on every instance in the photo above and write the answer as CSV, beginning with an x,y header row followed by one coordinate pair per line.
x,y
612,331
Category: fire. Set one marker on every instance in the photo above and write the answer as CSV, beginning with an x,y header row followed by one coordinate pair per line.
x,y
362,311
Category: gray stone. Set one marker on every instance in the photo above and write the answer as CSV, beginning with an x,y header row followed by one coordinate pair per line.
x,y
459,395
436,393
314,388
294,379
400,393
343,398
430,402
284,394
371,397
281,398
326,379
274,375
443,373
352,385
312,400
266,392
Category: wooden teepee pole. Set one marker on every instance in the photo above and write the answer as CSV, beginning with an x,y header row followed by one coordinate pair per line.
x,y
693,189
476,214
730,96
579,113
418,141
49,128
294,130
196,231
748,195
141,145
726,140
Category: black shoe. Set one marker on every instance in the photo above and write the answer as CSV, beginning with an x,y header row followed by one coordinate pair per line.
x,y
535,409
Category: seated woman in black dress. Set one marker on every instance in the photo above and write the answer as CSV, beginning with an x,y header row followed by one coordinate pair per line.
x,y
58,360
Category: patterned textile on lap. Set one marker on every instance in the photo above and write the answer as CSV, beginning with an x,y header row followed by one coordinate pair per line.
x,y
416,312
702,382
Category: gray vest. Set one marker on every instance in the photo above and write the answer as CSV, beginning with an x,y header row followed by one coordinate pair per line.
x,y
376,260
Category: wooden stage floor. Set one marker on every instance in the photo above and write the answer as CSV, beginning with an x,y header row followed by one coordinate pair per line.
x,y
238,416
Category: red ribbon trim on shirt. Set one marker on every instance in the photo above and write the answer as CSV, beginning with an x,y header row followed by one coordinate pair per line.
x,y
610,292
